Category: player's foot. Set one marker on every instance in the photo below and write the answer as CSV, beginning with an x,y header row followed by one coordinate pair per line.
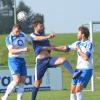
x,y
77,73
3,98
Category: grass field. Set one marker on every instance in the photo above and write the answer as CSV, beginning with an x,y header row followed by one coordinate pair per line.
x,y
61,39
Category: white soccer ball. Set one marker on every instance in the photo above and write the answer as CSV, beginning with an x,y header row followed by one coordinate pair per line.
x,y
22,16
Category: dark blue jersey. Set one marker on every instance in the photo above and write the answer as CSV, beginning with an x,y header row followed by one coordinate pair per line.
x,y
38,45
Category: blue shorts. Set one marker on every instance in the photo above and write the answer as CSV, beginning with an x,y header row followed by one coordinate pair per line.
x,y
84,78
42,65
17,66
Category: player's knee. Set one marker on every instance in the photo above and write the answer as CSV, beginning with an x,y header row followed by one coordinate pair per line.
x,y
78,89
17,79
37,83
73,89
62,59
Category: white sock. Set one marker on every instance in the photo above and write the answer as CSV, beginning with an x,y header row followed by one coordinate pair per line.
x,y
20,91
73,96
79,96
10,88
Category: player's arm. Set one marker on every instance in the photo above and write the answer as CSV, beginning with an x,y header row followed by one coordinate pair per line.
x,y
40,38
63,48
59,48
85,55
12,50
15,51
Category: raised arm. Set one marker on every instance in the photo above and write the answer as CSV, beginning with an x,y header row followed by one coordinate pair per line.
x,y
40,38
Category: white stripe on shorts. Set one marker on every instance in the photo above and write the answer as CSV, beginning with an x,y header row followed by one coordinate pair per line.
x,y
36,70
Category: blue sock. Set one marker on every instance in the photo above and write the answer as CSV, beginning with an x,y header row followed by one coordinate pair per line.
x,y
34,92
68,67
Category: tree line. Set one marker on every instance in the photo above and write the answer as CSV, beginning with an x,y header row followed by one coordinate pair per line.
x,y
7,16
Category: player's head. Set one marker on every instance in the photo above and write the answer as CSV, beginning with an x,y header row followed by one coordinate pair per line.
x,y
16,29
38,26
83,33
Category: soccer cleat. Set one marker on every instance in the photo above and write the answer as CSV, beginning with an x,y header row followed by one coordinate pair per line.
x,y
77,74
3,98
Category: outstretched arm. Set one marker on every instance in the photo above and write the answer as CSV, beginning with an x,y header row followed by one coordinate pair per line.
x,y
65,48
59,48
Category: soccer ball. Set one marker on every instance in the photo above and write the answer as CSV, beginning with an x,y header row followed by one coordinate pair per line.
x,y
22,16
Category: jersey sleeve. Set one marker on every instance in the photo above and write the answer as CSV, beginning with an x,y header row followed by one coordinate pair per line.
x,y
89,49
8,42
72,46
32,36
28,39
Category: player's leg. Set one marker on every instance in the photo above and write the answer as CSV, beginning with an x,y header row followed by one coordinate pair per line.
x,y
40,69
35,89
61,60
23,73
36,84
73,94
15,75
73,89
78,90
82,82
11,86
20,89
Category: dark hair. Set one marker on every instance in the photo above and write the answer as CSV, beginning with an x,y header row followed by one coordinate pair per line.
x,y
35,23
17,26
84,30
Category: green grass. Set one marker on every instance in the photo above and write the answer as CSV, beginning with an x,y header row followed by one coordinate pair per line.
x,y
61,39
57,95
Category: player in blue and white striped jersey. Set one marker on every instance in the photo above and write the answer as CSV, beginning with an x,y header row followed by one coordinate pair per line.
x,y
84,50
15,43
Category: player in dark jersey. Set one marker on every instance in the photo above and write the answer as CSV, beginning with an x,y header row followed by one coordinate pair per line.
x,y
43,57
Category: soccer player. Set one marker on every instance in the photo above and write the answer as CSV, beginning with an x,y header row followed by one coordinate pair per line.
x,y
15,43
84,62
43,57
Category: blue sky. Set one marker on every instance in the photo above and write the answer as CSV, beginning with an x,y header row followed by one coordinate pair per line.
x,y
65,15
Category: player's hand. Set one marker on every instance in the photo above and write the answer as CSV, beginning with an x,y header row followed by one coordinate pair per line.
x,y
26,49
51,36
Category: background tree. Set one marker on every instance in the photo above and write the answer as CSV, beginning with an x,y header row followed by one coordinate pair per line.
x,y
7,16
31,17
